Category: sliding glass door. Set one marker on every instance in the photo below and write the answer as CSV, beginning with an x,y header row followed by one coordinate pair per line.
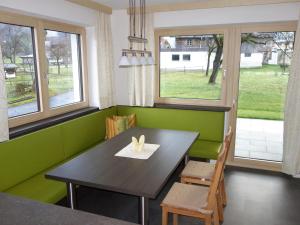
x,y
264,67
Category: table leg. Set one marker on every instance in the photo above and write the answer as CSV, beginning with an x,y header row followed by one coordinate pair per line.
x,y
144,211
186,159
71,195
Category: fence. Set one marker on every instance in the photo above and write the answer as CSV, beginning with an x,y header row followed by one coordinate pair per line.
x,y
23,86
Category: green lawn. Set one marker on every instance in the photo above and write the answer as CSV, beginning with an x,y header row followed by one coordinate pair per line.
x,y
262,93
189,85
262,90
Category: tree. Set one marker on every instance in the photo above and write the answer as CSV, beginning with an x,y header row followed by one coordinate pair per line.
x,y
250,38
211,47
58,49
15,40
218,40
57,52
285,43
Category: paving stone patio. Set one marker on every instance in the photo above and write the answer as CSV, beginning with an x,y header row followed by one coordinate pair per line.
x,y
259,139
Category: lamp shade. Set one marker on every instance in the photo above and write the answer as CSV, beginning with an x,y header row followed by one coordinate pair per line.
x,y
143,60
124,61
150,60
134,60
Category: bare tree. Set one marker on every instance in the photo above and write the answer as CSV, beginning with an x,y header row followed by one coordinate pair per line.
x,y
15,40
59,49
250,38
211,47
57,52
285,43
218,39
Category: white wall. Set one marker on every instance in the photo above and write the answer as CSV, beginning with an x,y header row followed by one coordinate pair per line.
x,y
230,15
255,60
62,11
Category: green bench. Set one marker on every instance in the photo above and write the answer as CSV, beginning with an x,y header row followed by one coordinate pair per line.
x,y
210,125
25,160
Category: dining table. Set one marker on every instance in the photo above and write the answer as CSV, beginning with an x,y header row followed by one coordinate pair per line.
x,y
102,167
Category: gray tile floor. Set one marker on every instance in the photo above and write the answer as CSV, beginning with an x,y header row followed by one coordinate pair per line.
x,y
254,198
259,139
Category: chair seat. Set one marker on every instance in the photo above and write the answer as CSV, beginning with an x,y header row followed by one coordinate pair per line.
x,y
199,170
187,197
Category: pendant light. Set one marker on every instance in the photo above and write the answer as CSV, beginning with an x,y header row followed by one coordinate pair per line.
x,y
134,60
143,59
124,61
138,56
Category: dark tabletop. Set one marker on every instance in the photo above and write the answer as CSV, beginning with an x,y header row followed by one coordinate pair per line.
x,y
19,211
99,168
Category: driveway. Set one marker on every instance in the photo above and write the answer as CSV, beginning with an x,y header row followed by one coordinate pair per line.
x,y
55,101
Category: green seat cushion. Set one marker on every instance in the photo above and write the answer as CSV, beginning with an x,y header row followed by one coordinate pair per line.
x,y
84,132
205,149
210,125
41,189
24,157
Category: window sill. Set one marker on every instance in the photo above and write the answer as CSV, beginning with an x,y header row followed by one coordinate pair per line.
x,y
41,124
193,107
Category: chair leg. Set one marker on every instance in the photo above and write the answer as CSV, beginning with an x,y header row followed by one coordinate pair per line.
x,y
208,220
223,191
164,216
220,207
216,215
175,219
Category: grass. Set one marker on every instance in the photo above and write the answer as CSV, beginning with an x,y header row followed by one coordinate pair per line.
x,y
261,95
193,84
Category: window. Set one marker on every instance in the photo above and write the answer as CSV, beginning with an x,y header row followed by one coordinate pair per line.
x,y
186,57
175,57
64,69
200,79
44,67
17,46
247,54
189,42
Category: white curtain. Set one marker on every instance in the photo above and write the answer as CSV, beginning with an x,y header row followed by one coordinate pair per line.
x,y
141,78
4,133
291,142
105,61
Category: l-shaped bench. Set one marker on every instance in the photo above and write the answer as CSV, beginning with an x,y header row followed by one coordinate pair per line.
x,y
24,160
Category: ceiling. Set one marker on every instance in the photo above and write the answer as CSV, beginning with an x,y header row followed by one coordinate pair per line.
x,y
123,4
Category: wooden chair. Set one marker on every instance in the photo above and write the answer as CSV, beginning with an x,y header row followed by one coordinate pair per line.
x,y
201,173
194,200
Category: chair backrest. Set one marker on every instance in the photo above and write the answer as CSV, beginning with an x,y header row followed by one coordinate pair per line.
x,y
227,140
219,168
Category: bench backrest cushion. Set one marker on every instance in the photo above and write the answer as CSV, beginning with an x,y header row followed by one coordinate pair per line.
x,y
209,124
84,132
26,156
